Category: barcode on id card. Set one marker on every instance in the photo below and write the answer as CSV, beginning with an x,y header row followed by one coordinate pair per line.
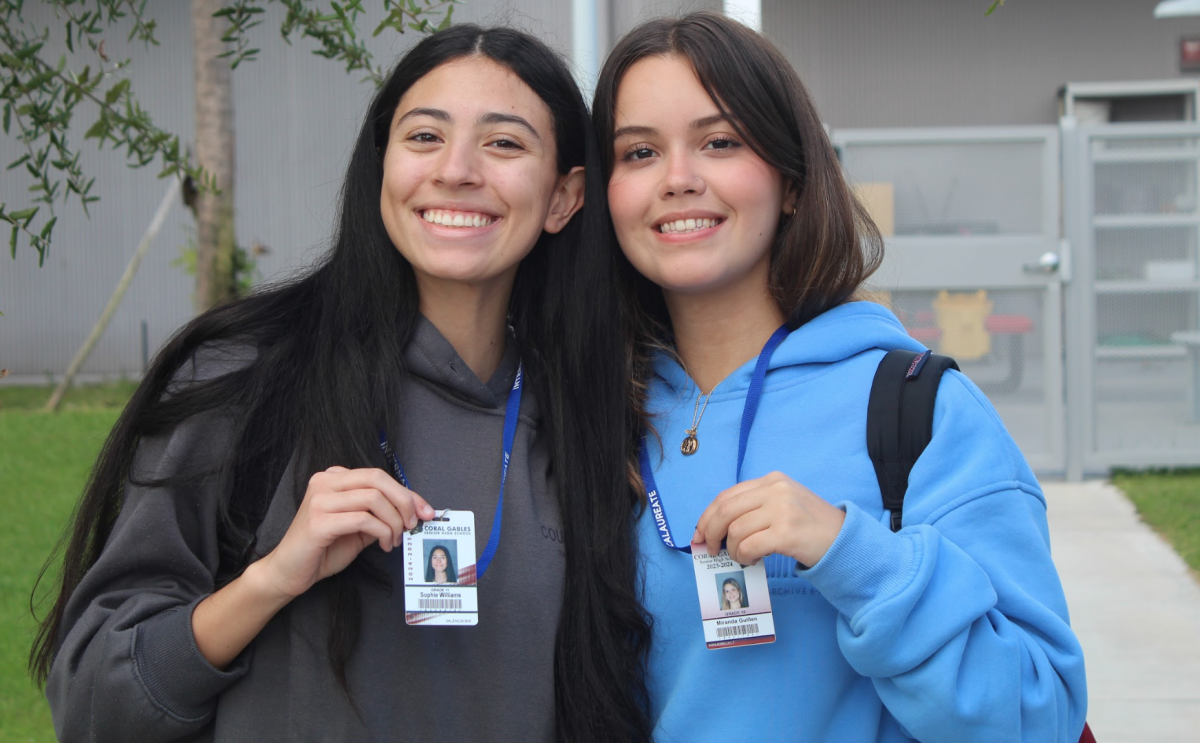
x,y
439,605
737,630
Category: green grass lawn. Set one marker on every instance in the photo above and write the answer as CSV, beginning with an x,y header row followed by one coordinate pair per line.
x,y
1169,502
44,461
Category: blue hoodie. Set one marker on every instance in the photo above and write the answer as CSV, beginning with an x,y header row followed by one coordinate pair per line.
x,y
953,629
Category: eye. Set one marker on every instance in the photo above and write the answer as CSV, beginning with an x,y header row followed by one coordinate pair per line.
x,y
506,144
424,138
722,143
638,152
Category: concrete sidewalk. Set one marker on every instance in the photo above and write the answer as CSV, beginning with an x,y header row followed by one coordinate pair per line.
x,y
1136,610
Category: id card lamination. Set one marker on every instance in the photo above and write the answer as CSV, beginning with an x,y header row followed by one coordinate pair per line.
x,y
735,602
439,571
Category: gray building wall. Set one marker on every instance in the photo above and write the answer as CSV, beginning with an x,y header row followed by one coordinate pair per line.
x,y
296,116
942,63
867,63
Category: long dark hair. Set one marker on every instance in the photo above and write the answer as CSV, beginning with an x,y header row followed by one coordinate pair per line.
x,y
330,342
823,253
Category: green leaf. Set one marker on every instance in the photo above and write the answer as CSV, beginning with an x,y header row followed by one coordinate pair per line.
x,y
992,9
12,240
99,130
18,162
116,91
25,215
29,51
7,116
48,228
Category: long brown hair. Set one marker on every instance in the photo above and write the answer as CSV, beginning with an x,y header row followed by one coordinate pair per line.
x,y
823,252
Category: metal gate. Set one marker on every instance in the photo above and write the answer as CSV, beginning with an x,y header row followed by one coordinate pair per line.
x,y
1132,215
972,266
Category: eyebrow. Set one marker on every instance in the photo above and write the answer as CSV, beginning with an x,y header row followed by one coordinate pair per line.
x,y
645,131
487,118
499,118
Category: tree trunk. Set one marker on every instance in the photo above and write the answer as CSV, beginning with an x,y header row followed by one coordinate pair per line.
x,y
215,242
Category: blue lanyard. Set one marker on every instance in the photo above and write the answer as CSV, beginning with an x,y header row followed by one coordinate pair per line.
x,y
749,411
510,432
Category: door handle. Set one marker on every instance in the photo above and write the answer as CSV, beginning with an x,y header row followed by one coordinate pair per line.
x,y
1047,263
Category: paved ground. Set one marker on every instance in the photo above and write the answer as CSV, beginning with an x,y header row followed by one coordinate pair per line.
x,y
1136,610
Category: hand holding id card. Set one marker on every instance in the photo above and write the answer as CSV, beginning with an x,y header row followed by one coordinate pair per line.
x,y
735,602
439,571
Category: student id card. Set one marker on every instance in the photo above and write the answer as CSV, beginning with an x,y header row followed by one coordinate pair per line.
x,y
735,602
439,571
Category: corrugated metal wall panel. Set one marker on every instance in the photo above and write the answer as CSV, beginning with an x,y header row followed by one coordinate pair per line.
x,y
296,116
628,13
868,64
48,311
549,20
942,63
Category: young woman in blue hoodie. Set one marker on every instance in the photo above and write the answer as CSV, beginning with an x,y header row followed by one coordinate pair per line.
x,y
745,249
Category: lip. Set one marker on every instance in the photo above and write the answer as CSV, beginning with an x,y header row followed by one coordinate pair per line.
x,y
689,214
456,206
684,237
442,230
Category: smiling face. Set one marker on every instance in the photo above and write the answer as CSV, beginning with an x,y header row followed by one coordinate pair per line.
x,y
469,174
695,209
437,559
733,596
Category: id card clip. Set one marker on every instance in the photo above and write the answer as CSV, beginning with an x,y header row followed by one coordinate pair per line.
x,y
437,516
440,583
735,601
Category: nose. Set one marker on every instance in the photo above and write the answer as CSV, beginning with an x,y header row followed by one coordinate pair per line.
x,y
459,165
681,178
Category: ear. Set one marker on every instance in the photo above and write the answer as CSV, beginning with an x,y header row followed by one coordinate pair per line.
x,y
791,198
568,199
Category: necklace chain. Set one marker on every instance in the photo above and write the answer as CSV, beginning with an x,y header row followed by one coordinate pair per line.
x,y
690,442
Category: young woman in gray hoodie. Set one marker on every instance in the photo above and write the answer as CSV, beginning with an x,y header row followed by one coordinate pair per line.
x,y
231,572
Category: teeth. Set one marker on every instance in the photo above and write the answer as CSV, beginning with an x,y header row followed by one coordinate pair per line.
x,y
686,225
448,218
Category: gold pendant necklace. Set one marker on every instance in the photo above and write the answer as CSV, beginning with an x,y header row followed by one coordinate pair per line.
x,y
690,442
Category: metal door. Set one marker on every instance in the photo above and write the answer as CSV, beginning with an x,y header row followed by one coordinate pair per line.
x,y
1132,213
974,263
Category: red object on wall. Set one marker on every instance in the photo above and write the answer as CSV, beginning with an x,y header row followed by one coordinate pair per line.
x,y
1189,53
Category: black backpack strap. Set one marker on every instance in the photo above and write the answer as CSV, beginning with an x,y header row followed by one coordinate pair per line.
x,y
900,420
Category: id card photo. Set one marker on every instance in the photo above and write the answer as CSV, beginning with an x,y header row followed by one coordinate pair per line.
x,y
735,602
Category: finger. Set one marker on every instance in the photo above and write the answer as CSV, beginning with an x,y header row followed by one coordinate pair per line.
x,y
367,499
741,529
410,505
754,547
424,511
401,497
728,494
718,516
336,525
336,468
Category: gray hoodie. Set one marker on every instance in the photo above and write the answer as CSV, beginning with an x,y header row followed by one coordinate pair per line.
x,y
128,668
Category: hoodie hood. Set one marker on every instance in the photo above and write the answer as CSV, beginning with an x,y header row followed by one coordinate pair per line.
x,y
836,335
430,358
